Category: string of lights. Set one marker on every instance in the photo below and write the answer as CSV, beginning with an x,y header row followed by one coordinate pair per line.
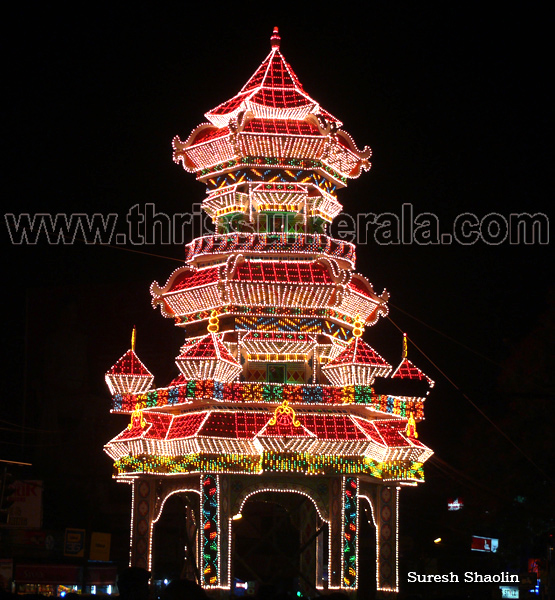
x,y
277,387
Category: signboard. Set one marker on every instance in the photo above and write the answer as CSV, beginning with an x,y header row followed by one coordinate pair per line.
x,y
454,504
509,591
74,543
26,510
31,543
100,546
101,575
484,544
48,574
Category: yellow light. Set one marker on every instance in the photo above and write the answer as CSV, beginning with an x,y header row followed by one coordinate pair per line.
x,y
437,540
237,517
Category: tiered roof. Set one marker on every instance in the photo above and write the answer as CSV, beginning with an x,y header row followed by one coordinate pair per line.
x,y
129,364
129,375
246,282
282,272
210,347
358,352
273,91
271,158
358,364
248,425
407,370
272,118
208,358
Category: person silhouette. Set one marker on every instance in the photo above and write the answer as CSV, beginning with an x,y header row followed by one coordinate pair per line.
x,y
133,583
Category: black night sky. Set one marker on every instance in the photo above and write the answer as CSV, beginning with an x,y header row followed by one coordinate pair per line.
x,y
453,101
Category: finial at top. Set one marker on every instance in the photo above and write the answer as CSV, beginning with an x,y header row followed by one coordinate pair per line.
x,y
133,337
405,349
275,39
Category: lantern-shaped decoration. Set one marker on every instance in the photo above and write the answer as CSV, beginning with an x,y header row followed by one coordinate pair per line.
x,y
208,358
129,375
358,364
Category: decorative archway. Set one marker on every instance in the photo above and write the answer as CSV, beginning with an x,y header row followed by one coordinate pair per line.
x,y
175,535
310,519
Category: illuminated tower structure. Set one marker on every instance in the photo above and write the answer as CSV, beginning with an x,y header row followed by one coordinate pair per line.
x,y
278,391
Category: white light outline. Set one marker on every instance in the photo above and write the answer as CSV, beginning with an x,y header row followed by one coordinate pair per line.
x,y
157,518
338,163
281,490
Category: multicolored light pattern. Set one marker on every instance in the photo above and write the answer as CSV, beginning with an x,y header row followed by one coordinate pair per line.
x,y
210,391
275,378
210,531
350,532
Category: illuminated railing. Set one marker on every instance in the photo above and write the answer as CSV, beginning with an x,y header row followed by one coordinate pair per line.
x,y
251,392
294,243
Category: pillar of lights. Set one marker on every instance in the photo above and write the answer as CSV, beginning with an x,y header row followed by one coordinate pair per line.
x,y
277,391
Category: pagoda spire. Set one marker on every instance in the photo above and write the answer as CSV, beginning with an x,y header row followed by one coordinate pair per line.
x,y
407,370
129,375
133,338
275,39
